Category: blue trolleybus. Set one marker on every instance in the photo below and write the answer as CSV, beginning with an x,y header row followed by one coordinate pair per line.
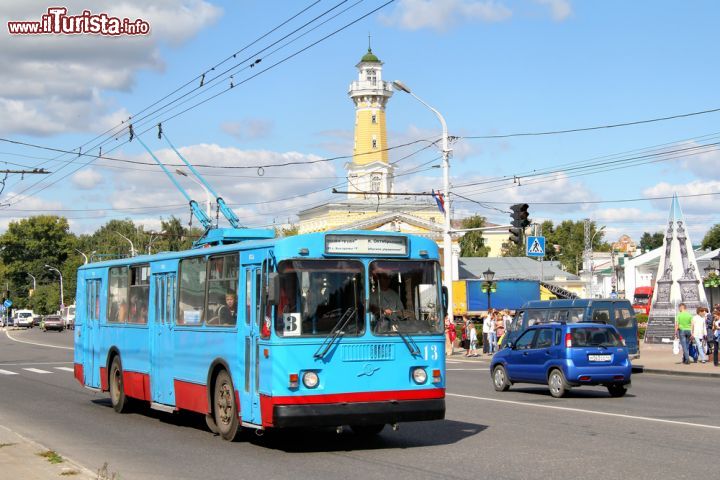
x,y
322,329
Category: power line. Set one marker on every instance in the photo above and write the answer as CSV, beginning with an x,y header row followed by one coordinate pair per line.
x,y
598,127
590,202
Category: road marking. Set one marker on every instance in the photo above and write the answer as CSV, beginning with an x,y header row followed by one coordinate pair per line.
x,y
36,370
30,364
466,369
65,369
581,410
34,343
7,372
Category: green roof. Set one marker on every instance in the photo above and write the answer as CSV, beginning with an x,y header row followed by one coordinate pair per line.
x,y
370,57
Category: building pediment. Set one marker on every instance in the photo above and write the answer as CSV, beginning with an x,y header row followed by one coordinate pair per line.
x,y
394,221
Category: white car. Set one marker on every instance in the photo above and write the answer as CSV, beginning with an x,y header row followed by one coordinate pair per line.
x,y
24,318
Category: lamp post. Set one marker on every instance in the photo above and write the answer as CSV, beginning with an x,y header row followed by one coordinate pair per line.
x,y
34,281
208,197
62,297
447,240
488,275
132,247
592,239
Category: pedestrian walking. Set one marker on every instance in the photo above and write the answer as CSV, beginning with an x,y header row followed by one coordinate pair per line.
x,y
472,336
709,332
500,329
716,334
450,337
683,323
492,339
699,334
486,334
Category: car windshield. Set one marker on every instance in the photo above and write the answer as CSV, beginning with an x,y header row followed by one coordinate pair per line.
x,y
595,337
404,297
25,315
316,295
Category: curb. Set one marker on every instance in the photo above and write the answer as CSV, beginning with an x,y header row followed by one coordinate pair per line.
x,y
659,371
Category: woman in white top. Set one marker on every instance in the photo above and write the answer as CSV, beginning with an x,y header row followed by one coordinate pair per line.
x,y
472,336
698,332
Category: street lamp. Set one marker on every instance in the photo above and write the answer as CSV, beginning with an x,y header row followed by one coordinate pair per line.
x,y
488,285
132,247
62,296
592,239
34,282
447,240
208,197
83,255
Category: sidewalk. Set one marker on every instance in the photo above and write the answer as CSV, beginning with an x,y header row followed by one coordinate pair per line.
x,y
653,359
660,359
21,458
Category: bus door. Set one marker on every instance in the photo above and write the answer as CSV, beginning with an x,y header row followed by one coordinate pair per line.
x,y
91,331
161,348
250,284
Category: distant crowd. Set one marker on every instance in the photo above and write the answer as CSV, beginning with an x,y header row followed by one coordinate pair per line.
x,y
493,326
698,335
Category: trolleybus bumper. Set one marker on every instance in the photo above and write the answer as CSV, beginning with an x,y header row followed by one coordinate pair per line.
x,y
358,413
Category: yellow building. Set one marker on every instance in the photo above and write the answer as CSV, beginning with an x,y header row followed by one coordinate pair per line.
x,y
370,176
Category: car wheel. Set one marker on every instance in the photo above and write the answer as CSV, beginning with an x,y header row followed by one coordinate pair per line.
x,y
120,402
224,408
557,384
617,390
367,430
500,379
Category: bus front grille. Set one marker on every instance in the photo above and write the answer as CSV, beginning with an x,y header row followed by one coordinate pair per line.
x,y
365,352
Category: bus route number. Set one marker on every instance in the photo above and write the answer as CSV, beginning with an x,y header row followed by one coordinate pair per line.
x,y
431,352
291,324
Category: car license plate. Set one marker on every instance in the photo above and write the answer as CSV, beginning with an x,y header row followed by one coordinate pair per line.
x,y
599,358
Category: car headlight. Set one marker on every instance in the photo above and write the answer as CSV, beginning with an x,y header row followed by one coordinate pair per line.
x,y
419,375
310,379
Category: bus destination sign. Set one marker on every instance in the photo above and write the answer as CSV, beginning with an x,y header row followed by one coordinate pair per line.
x,y
365,245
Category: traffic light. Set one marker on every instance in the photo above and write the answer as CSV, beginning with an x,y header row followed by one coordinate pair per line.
x,y
520,220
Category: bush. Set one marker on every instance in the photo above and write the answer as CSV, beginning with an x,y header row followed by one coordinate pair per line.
x,y
642,318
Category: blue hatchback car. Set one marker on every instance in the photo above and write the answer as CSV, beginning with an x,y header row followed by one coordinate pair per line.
x,y
564,356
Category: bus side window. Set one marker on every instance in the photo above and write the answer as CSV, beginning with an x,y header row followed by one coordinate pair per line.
x,y
575,315
601,315
623,317
118,295
536,316
191,302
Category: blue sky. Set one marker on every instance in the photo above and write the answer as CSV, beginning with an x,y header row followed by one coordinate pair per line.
x,y
491,67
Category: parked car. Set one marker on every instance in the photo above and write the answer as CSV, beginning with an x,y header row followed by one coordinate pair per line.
x,y
24,318
37,320
564,356
53,322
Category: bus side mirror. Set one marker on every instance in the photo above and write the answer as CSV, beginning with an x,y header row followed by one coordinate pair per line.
x,y
273,292
445,301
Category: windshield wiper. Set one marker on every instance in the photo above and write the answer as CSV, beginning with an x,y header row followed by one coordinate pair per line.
x,y
407,339
337,331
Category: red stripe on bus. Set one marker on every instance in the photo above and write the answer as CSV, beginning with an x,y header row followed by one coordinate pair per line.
x,y
137,385
78,371
191,396
267,403
103,379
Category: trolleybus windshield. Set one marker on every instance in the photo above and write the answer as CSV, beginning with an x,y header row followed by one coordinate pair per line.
x,y
315,295
404,297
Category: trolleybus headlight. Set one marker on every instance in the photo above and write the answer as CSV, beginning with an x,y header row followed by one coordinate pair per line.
x,y
310,379
419,375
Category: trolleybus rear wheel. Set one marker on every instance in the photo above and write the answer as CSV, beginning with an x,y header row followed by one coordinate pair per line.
x,y
210,422
120,402
367,430
224,407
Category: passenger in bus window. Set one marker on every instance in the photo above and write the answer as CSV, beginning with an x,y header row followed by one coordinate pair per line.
x,y
228,312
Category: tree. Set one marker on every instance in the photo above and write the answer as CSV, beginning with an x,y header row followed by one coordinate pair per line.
x,y
651,241
30,244
711,240
289,231
568,242
472,244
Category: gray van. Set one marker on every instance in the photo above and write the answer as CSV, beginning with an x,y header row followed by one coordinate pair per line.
x,y
612,311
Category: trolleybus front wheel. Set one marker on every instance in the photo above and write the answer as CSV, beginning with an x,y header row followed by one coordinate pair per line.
x,y
120,402
224,407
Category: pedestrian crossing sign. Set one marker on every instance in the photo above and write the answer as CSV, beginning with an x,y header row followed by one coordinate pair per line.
x,y
535,247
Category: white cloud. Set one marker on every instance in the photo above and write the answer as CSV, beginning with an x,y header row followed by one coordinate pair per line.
x,y
442,14
559,9
51,84
705,204
87,179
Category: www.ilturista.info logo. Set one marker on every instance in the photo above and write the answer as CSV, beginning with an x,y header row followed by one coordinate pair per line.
x,y
58,22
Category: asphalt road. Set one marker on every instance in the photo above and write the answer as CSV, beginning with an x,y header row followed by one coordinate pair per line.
x,y
667,426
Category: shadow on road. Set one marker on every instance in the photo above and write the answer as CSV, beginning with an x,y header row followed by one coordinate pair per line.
x,y
305,440
573,393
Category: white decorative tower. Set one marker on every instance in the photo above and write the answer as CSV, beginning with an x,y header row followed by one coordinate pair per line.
x,y
370,171
678,280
